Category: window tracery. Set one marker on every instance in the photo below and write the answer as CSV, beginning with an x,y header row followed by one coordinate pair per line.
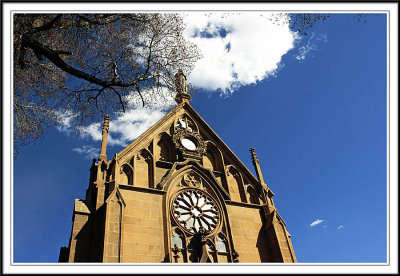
x,y
197,224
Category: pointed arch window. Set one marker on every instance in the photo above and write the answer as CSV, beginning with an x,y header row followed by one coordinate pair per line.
x,y
178,246
222,249
221,244
177,240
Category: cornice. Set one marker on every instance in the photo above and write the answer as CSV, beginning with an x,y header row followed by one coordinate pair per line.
x,y
243,204
141,189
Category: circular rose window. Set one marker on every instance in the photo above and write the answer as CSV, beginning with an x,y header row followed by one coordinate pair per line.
x,y
188,144
193,209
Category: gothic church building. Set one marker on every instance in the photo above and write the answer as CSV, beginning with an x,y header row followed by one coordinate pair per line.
x,y
176,194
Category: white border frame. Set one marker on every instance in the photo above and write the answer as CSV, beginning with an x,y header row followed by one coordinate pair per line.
x,y
392,130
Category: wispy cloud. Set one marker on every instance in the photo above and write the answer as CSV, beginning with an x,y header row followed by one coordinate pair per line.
x,y
65,121
89,152
238,49
311,46
318,221
340,227
125,127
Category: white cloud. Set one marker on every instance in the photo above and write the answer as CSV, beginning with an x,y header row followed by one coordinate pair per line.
x,y
311,46
65,121
318,221
238,49
126,127
340,227
88,151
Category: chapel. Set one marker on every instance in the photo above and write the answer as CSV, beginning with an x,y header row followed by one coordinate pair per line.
x,y
176,194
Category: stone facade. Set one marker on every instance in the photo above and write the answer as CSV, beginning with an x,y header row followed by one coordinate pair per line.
x,y
176,194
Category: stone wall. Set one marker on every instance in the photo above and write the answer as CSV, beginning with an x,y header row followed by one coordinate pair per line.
x,y
142,233
246,225
79,247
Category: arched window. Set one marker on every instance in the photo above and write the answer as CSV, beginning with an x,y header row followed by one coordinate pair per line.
x,y
177,239
196,219
211,251
178,246
221,245
222,249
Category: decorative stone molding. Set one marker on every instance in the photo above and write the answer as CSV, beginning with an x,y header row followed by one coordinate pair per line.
x,y
230,169
195,152
235,256
106,125
192,180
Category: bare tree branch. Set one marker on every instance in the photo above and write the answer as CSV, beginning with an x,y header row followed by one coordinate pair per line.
x,y
88,63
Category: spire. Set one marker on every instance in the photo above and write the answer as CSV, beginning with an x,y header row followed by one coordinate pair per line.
x,y
256,164
103,155
181,88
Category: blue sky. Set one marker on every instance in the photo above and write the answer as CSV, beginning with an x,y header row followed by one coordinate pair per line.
x,y
317,121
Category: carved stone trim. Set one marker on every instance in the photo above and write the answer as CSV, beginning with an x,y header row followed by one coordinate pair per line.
x,y
141,189
243,204
106,125
197,153
190,180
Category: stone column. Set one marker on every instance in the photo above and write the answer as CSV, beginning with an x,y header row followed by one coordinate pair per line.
x,y
103,156
264,191
256,164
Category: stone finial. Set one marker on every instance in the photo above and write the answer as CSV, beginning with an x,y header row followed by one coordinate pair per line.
x,y
256,164
254,155
106,123
263,187
181,88
106,129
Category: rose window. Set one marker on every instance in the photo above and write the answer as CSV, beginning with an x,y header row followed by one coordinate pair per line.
x,y
193,209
